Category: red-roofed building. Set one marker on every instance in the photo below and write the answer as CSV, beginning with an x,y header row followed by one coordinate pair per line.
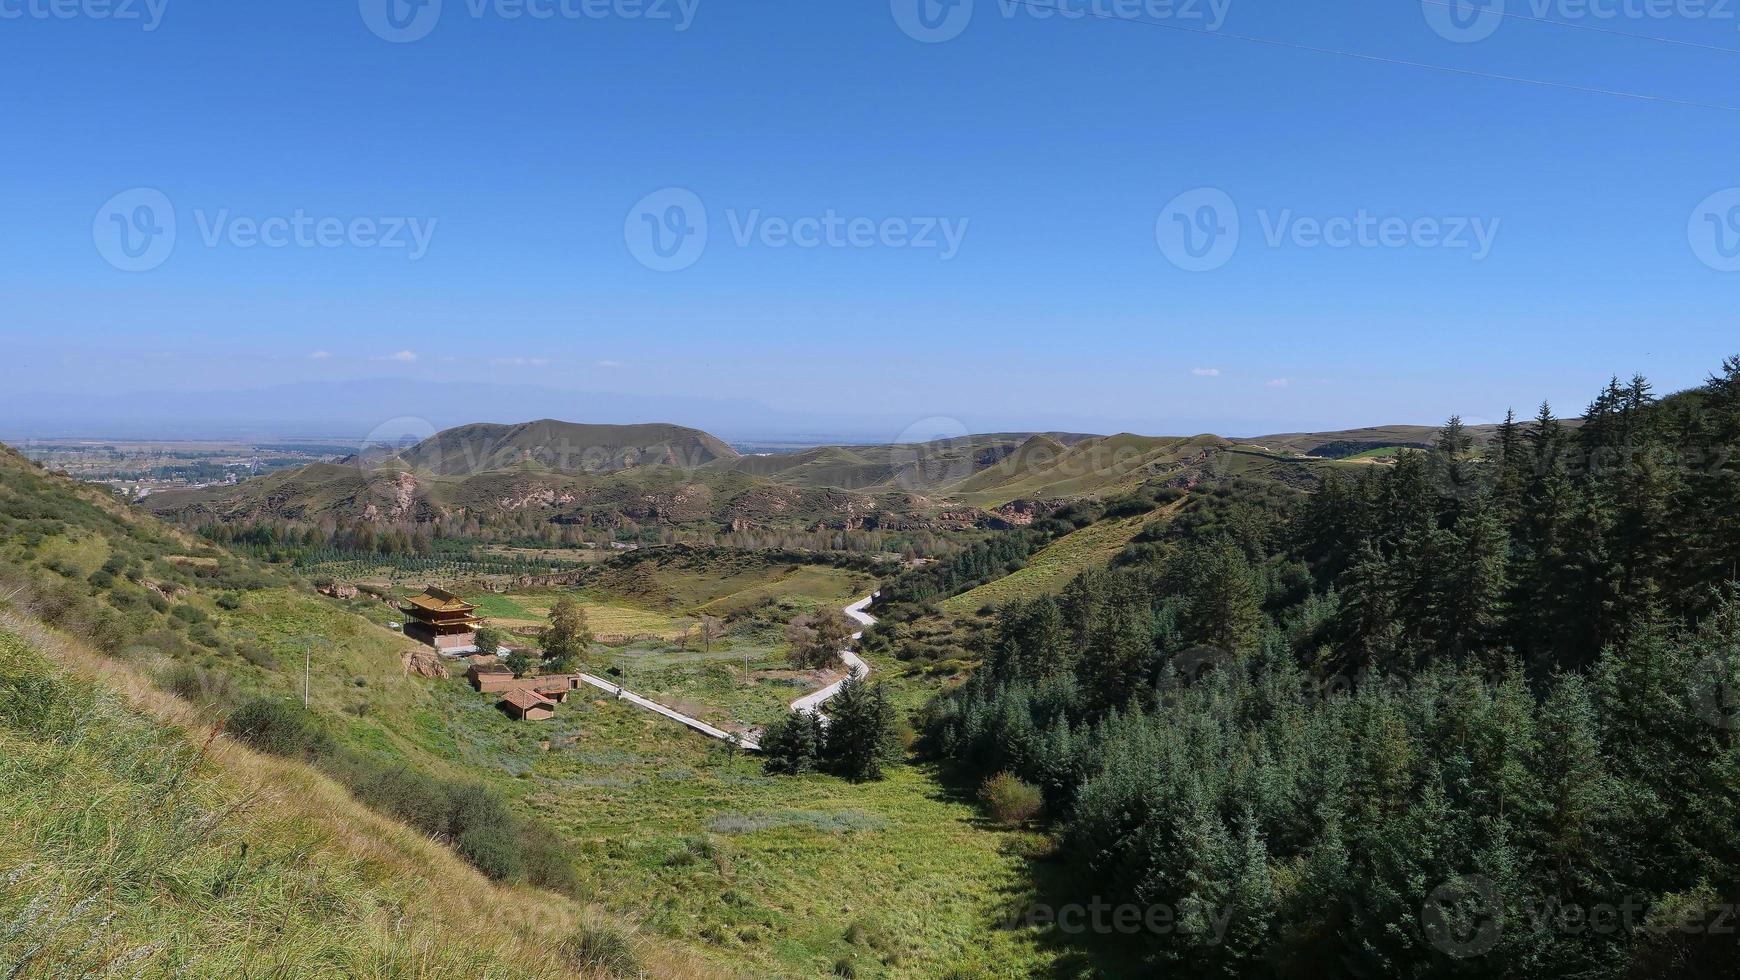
x,y
524,705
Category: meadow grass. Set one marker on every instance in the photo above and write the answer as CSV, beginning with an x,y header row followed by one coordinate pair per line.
x,y
136,842
1054,566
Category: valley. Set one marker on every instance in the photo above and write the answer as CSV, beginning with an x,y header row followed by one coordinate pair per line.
x,y
670,812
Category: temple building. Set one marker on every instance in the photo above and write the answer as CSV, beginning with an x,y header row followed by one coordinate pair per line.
x,y
442,620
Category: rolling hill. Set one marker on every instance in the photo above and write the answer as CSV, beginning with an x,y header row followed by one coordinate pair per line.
x,y
562,447
143,838
606,477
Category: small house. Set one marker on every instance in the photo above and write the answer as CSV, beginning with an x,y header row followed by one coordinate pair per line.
x,y
490,678
527,705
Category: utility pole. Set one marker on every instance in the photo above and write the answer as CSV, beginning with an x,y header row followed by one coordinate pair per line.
x,y
307,670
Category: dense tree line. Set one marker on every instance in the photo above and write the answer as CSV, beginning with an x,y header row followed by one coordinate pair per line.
x,y
1472,713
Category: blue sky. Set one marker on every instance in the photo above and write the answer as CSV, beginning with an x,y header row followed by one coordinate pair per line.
x,y
1053,148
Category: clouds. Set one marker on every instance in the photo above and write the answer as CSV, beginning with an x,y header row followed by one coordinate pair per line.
x,y
519,361
609,364
402,357
1203,372
320,355
1278,382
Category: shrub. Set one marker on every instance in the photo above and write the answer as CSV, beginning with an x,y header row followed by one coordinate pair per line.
x,y
257,654
600,949
421,801
493,850
193,684
188,614
280,727
1009,800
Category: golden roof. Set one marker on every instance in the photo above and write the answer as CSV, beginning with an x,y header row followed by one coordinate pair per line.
x,y
440,601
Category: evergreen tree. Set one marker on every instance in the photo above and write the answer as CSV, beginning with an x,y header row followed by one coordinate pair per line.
x,y
863,737
792,745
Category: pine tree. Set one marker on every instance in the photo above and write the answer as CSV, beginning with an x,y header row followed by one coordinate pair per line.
x,y
1510,466
863,737
1475,579
792,745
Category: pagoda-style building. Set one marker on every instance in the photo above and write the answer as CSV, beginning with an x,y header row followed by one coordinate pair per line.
x,y
442,620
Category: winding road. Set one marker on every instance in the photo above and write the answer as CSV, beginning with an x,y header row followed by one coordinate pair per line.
x,y
806,704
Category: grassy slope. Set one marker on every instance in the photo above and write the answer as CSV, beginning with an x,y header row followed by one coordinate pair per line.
x,y
648,805
1054,566
136,843
1094,467
773,872
677,582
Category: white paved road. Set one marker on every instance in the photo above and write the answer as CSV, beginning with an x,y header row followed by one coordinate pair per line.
x,y
807,704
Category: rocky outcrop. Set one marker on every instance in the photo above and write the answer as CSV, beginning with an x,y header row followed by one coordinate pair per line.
x,y
423,663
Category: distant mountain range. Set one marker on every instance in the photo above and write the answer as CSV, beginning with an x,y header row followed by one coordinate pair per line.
x,y
601,475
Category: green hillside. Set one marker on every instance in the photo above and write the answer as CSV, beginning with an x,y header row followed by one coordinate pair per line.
x,y
607,814
564,447
1101,466
1057,564
139,842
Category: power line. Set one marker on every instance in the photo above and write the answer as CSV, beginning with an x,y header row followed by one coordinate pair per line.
x,y
1386,60
1594,28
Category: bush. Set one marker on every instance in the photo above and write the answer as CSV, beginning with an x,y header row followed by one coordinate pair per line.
x,y
280,727
194,684
257,654
600,949
493,850
188,614
1009,800
421,801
